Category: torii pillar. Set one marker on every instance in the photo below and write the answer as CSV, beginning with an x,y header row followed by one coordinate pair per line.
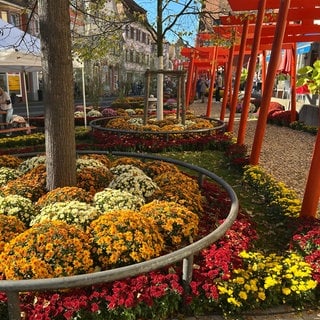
x,y
251,72
238,75
272,70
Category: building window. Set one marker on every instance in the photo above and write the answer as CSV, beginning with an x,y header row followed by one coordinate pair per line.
x,y
132,33
14,19
138,35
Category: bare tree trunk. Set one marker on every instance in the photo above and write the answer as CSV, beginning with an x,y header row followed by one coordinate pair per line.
x,y
58,93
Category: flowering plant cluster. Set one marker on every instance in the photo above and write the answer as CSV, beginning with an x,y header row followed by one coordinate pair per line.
x,y
19,207
267,281
83,163
31,163
156,143
7,174
72,212
10,227
281,117
112,199
279,199
156,167
99,157
156,295
237,155
94,179
127,161
64,194
109,112
179,188
9,161
94,113
133,180
31,185
306,241
122,237
176,223
127,102
170,123
46,250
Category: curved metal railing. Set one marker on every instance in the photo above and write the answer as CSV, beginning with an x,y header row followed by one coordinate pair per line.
x,y
14,287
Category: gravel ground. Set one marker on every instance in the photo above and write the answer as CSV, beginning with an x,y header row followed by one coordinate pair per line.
x,y
286,153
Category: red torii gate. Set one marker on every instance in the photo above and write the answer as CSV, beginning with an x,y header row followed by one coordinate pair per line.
x,y
207,59
298,11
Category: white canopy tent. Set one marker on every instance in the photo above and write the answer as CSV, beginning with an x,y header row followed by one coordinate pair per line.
x,y
19,52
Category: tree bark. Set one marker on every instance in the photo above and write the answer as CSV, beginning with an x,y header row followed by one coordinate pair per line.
x,y
58,93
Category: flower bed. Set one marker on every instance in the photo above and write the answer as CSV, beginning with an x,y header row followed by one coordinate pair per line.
x,y
230,276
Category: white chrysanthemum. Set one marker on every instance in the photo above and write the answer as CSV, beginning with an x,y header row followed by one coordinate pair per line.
x,y
88,163
137,184
31,163
18,206
7,174
94,113
79,114
113,199
136,121
126,168
71,212
130,112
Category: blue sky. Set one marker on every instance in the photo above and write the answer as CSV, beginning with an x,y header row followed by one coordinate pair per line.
x,y
188,23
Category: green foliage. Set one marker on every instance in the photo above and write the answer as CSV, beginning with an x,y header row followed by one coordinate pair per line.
x,y
310,76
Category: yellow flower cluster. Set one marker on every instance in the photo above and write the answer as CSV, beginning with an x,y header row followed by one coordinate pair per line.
x,y
9,161
277,277
176,223
179,188
94,179
123,237
10,227
50,249
281,200
31,185
64,194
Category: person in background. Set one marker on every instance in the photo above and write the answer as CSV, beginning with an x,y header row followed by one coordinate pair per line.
x,y
6,105
218,86
203,88
198,88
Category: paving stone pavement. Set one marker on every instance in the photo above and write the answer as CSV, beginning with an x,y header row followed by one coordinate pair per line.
x,y
279,313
